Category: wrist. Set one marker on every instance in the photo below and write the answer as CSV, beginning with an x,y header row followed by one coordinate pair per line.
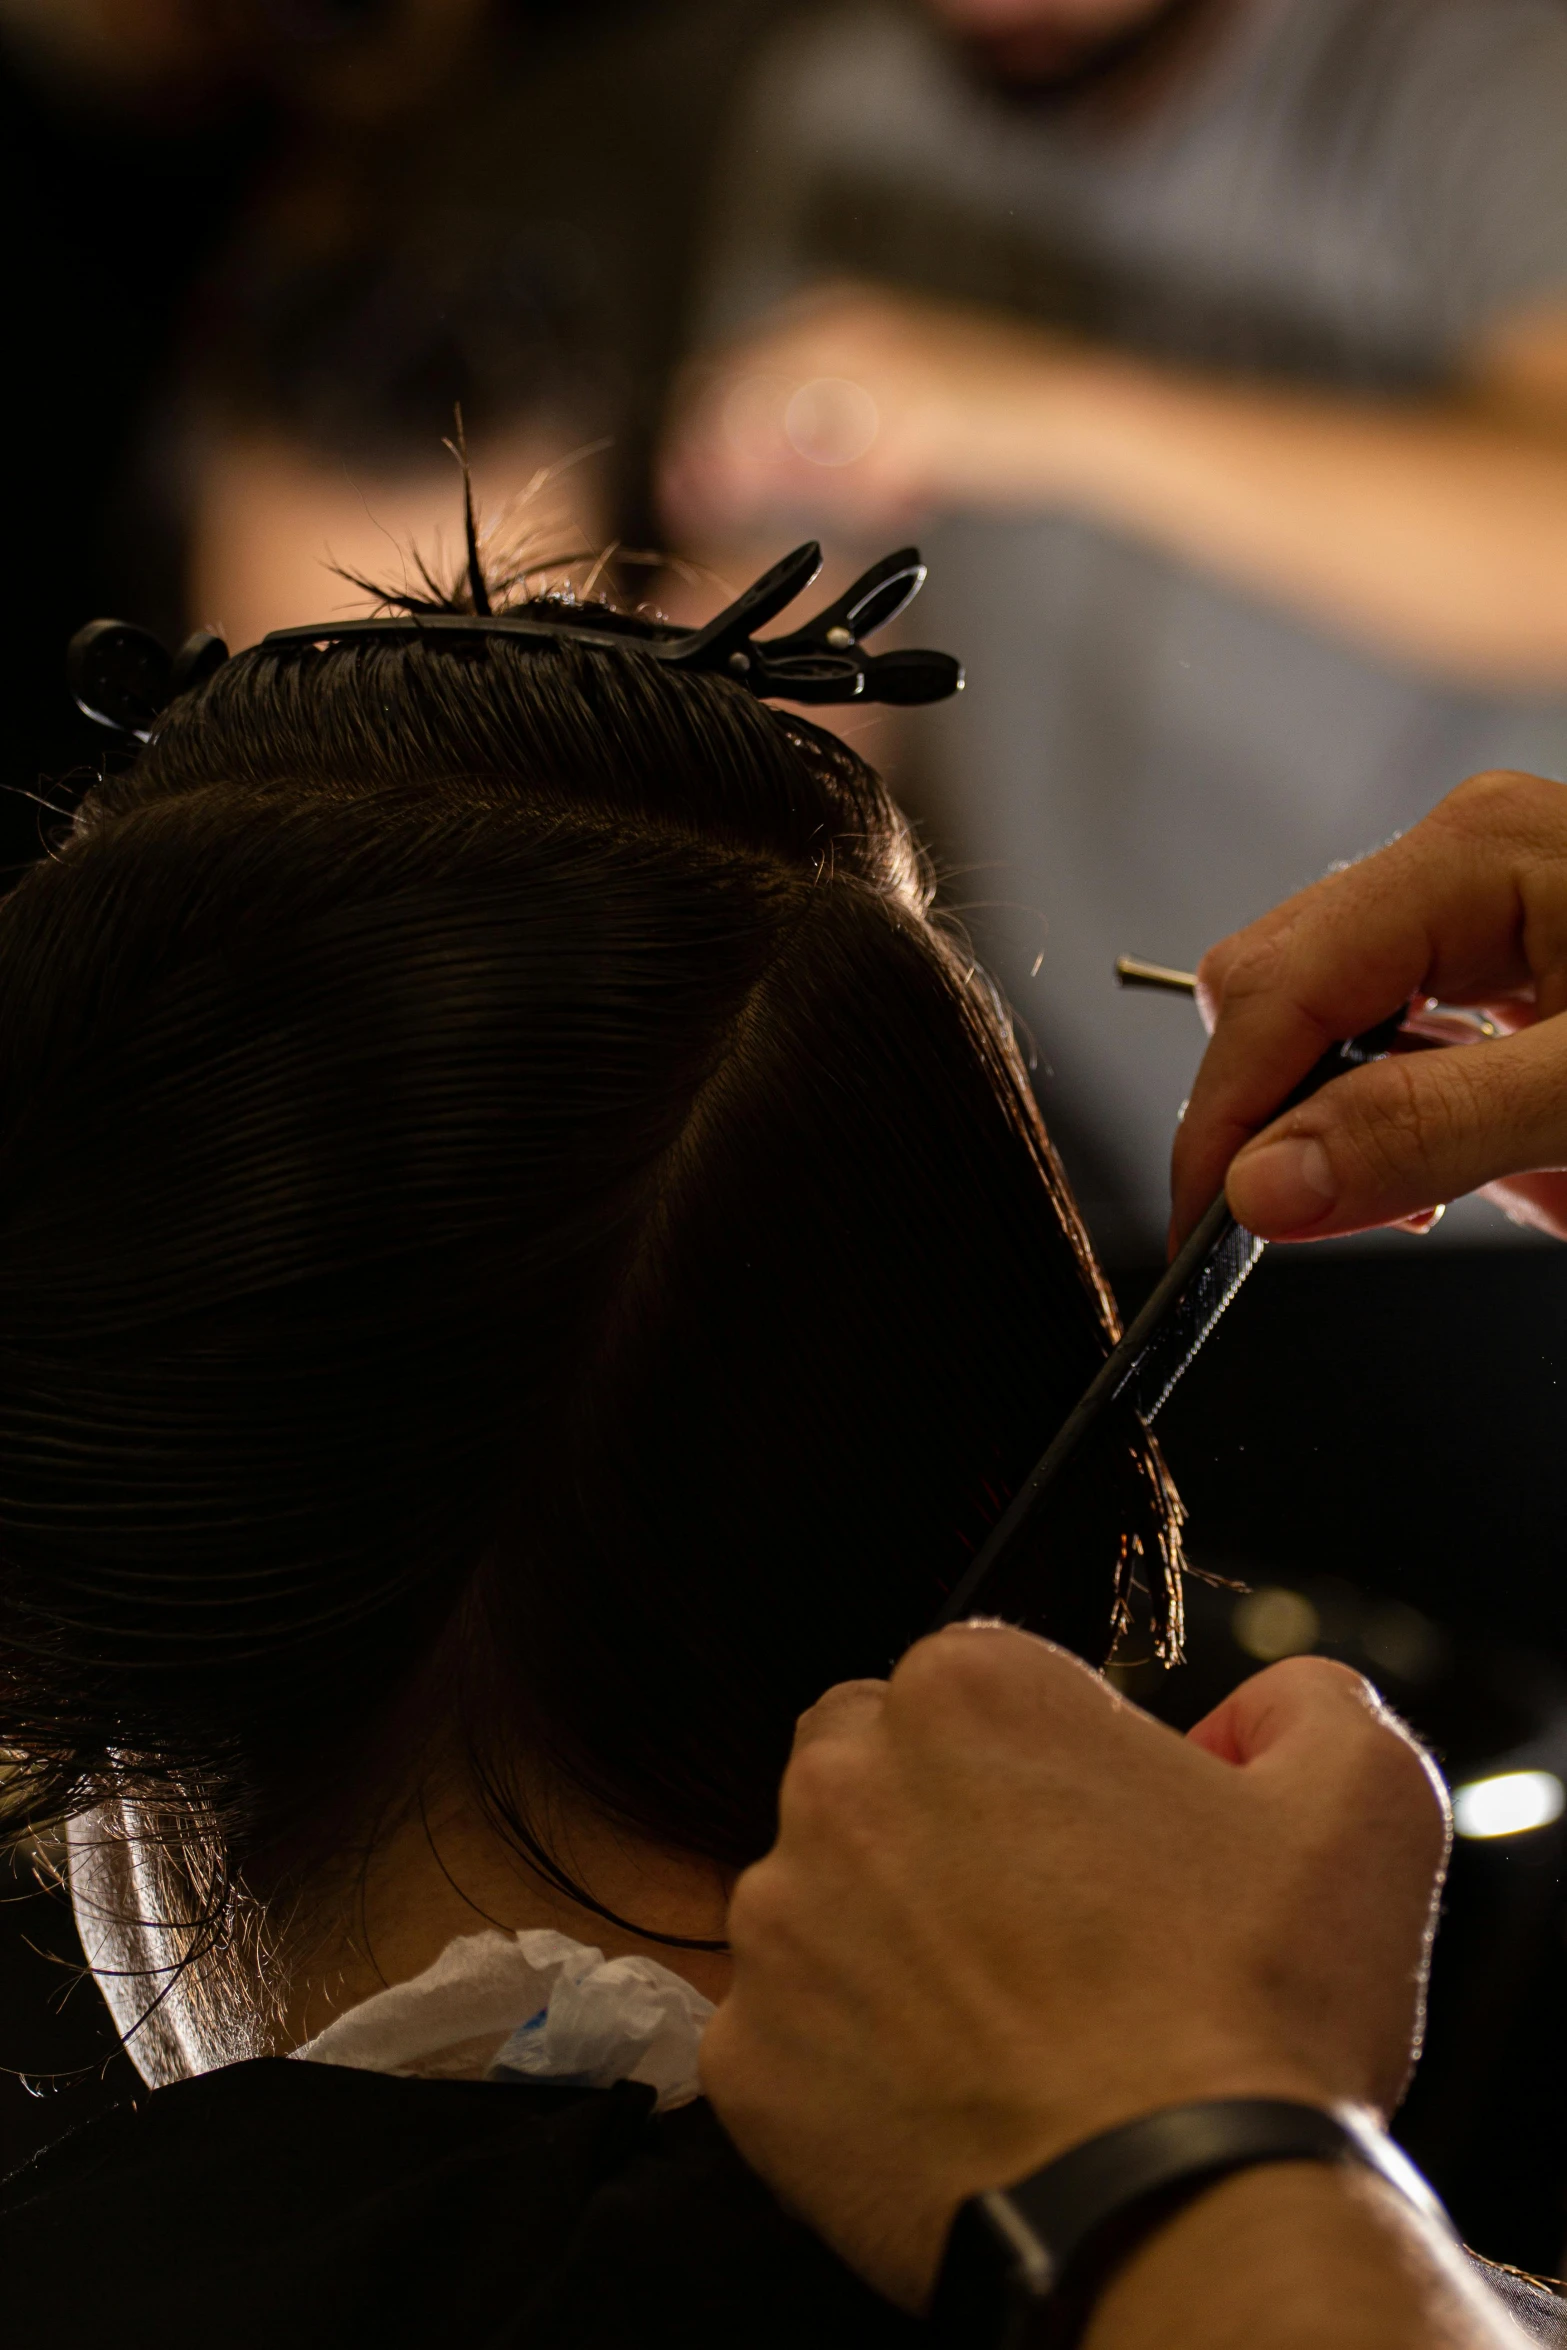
x,y
1046,2126
1003,2146
1030,2263
1300,2256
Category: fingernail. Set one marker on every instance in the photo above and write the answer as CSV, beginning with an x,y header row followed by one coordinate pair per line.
x,y
1283,1187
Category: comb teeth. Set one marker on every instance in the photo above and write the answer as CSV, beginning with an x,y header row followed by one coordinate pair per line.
x,y
1224,1264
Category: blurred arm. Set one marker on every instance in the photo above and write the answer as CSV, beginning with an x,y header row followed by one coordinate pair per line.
x,y
1435,528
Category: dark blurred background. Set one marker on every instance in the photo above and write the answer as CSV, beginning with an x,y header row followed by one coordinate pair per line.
x,y
257,253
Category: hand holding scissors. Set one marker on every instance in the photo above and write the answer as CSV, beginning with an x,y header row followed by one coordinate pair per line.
x,y
1468,908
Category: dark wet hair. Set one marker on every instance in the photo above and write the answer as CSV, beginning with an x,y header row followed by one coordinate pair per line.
x,y
512,1214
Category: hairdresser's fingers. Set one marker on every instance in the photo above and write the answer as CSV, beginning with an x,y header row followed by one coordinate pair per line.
x,y
868,405
1279,1704
1469,906
1315,1739
1538,1202
1386,1141
1301,1720
813,405
844,1711
1357,1823
983,1682
974,1700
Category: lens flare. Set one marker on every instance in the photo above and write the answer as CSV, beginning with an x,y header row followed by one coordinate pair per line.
x,y
1511,1804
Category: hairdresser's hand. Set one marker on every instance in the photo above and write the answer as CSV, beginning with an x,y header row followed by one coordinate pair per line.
x,y
1007,1910
868,406
1470,907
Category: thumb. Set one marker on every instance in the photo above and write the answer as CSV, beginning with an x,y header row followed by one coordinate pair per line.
x,y
1314,1731
1404,1134
1289,1709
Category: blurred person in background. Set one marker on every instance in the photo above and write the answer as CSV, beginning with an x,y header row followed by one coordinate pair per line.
x,y
486,241
1230,339
446,206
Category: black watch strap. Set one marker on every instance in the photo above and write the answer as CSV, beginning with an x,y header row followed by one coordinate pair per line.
x,y
1025,2264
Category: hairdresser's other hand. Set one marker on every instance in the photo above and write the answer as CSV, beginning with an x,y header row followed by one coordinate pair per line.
x,y
869,406
1470,907
1007,1910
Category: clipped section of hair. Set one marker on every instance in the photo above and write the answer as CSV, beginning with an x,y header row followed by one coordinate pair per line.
x,y
516,561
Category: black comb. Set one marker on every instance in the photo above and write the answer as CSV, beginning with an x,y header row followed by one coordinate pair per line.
x,y
1173,1325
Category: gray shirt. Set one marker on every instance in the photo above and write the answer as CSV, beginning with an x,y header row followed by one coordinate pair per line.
x,y
1340,192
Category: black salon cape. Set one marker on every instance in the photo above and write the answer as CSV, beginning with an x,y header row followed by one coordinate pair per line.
x,y
304,2205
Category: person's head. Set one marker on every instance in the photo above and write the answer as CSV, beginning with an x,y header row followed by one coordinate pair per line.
x,y
493,247
1039,42
526,1252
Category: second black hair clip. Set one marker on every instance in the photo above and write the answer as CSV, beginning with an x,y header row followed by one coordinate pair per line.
x,y
123,678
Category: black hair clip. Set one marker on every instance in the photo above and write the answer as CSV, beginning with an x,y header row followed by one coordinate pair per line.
x,y
123,677
821,662
1165,1337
